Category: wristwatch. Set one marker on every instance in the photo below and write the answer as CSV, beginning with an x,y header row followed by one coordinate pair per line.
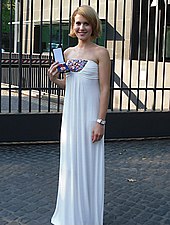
x,y
100,121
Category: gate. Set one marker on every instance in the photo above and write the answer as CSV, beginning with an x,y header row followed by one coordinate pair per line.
x,y
137,36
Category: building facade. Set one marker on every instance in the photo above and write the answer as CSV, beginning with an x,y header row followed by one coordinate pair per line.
x,y
136,33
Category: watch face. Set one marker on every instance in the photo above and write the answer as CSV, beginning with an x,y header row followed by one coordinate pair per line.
x,y
100,121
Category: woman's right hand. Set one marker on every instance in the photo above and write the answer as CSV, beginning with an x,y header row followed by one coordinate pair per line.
x,y
53,72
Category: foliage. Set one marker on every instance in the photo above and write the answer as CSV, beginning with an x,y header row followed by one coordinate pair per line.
x,y
6,11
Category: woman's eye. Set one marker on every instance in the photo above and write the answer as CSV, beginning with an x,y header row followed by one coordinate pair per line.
x,y
78,23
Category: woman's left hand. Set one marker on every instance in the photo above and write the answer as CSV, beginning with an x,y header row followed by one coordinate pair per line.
x,y
97,132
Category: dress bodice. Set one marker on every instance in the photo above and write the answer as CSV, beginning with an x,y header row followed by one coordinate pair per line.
x,y
85,68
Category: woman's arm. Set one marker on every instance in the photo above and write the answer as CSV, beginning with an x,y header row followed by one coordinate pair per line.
x,y
104,81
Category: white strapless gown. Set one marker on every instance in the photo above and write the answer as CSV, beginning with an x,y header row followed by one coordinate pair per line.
x,y
80,199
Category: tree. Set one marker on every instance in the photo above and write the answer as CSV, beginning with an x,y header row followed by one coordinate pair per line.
x,y
7,13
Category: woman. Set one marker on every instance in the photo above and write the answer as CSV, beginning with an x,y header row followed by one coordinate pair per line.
x,y
80,198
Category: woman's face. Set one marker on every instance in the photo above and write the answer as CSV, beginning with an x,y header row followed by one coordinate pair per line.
x,y
82,28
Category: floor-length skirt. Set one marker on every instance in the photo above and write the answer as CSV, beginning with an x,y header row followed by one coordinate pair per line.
x,y
80,198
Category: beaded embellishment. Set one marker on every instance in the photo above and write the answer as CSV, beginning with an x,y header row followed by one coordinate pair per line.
x,y
75,65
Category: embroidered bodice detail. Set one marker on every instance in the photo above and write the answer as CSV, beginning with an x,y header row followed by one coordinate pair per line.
x,y
76,65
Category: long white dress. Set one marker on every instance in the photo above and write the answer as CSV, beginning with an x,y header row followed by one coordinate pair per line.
x,y
80,199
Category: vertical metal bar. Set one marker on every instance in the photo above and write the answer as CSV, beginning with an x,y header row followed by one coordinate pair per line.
x,y
113,62
50,56
0,52
130,77
147,54
26,25
20,59
60,43
139,54
97,40
98,6
10,56
51,28
30,64
60,25
164,52
88,2
16,26
156,51
79,2
69,25
40,56
105,42
122,59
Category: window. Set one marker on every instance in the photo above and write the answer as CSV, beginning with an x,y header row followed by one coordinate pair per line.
x,y
55,39
150,39
167,50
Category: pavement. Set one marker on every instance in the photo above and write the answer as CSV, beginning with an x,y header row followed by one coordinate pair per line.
x,y
36,99
137,183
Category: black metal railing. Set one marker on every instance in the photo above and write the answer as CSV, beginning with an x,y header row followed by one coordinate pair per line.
x,y
34,83
136,35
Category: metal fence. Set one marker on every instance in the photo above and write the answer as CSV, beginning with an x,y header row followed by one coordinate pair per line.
x,y
136,33
32,91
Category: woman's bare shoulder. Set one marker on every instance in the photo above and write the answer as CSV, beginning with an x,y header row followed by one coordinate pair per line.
x,y
101,53
67,52
102,50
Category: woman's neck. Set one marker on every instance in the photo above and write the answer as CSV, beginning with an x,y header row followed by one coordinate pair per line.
x,y
84,44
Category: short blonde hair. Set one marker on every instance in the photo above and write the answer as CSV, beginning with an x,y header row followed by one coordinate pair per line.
x,y
90,14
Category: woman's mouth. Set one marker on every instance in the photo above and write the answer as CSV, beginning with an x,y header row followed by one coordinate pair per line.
x,y
82,33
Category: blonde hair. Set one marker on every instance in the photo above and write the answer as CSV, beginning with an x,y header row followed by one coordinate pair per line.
x,y
90,14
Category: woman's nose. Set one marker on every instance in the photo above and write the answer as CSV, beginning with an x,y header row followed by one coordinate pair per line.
x,y
82,26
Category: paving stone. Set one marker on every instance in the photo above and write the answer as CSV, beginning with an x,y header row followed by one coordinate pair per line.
x,y
34,222
29,180
143,217
153,223
162,211
14,223
3,222
157,218
167,221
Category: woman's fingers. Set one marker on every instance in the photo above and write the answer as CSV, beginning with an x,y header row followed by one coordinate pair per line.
x,y
96,137
53,67
53,71
97,132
